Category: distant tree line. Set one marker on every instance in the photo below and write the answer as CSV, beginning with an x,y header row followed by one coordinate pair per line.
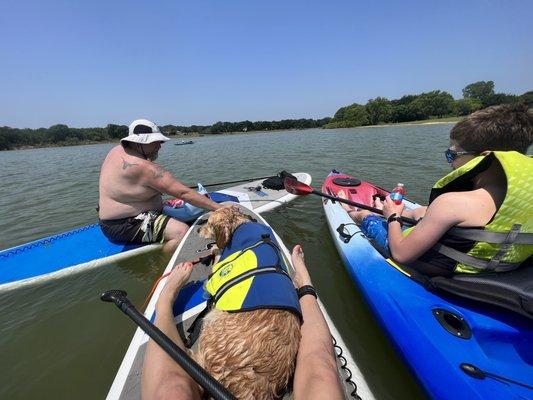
x,y
57,135
62,135
248,126
433,104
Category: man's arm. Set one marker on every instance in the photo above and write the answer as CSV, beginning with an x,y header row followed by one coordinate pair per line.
x,y
158,178
446,211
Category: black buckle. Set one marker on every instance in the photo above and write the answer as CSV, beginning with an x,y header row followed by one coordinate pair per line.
x,y
346,236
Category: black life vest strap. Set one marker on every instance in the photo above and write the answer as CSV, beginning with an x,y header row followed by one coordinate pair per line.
x,y
495,261
268,240
241,252
480,235
276,269
482,265
494,264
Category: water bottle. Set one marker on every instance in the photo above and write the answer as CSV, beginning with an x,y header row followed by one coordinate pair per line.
x,y
398,193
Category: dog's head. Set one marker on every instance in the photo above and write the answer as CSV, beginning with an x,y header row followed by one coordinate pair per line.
x,y
222,223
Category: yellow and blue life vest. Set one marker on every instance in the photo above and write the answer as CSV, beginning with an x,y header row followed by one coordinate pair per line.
x,y
252,274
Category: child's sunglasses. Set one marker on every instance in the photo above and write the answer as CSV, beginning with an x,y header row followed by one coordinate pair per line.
x,y
451,155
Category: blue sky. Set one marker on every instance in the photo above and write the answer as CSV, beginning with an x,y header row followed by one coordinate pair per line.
x,y
90,63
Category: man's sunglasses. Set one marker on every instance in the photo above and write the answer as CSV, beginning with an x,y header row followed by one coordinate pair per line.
x,y
451,155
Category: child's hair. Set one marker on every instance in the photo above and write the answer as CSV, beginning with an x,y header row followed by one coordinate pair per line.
x,y
506,127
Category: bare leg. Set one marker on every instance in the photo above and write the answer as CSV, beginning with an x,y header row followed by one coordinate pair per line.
x,y
174,232
162,377
316,374
355,213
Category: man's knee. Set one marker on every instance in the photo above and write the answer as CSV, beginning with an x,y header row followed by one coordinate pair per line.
x,y
175,229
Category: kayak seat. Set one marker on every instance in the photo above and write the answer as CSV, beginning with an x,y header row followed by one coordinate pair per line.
x,y
511,290
356,190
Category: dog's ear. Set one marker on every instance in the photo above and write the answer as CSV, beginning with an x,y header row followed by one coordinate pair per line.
x,y
223,232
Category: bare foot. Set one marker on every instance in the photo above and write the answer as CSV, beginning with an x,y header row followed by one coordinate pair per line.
x,y
355,214
301,277
378,203
342,195
176,280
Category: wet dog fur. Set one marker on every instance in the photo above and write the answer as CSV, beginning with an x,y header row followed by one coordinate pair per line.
x,y
252,353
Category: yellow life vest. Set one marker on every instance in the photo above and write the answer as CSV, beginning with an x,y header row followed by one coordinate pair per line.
x,y
507,240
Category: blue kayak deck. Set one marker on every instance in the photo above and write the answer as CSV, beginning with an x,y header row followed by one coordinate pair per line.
x,y
57,252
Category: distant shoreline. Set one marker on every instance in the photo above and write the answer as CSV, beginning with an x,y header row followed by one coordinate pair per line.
x,y
412,123
197,134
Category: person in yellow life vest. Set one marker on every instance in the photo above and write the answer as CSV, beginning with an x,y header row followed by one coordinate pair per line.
x,y
480,216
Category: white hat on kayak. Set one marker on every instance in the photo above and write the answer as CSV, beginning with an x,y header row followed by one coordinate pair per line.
x,y
143,131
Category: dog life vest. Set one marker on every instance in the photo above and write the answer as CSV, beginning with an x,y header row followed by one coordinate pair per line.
x,y
507,240
251,274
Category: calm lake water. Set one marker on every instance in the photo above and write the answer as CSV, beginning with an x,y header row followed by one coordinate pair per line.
x,y
58,340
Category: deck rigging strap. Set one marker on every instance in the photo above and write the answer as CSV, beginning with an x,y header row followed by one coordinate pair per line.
x,y
344,234
344,367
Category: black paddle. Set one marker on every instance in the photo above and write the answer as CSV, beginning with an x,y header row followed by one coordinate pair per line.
x,y
239,181
477,373
200,375
301,189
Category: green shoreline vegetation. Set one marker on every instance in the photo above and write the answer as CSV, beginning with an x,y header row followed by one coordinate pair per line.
x,y
426,108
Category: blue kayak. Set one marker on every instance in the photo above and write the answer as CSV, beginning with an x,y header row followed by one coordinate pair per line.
x,y
445,340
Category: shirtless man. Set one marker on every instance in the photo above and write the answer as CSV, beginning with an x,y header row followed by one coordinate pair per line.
x,y
131,185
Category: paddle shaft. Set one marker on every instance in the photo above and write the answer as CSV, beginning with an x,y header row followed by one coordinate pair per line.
x,y
409,221
196,372
230,182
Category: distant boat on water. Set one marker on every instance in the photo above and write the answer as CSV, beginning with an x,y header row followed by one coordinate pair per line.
x,y
182,142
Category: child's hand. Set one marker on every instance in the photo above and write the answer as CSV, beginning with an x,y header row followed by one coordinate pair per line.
x,y
390,207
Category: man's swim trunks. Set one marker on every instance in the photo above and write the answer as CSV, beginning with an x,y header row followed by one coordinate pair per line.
x,y
147,227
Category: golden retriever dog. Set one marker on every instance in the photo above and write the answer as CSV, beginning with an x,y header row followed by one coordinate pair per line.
x,y
252,353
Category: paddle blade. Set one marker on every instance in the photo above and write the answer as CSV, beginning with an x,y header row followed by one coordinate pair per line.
x,y
294,186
